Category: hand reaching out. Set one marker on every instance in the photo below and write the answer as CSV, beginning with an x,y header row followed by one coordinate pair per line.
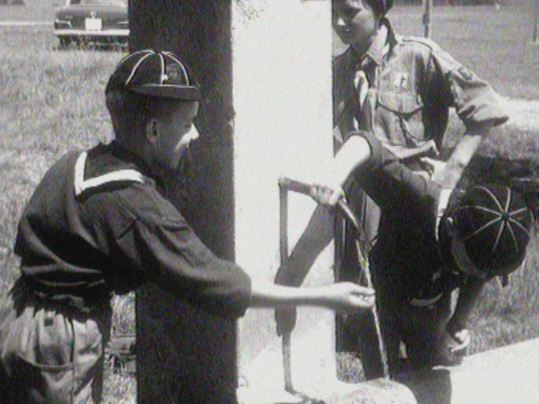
x,y
327,195
436,168
346,297
463,338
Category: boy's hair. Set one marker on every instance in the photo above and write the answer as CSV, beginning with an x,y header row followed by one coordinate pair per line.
x,y
130,111
380,7
129,107
494,223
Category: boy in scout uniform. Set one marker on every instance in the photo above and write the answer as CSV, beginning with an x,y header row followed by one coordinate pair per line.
x,y
99,223
401,89
443,247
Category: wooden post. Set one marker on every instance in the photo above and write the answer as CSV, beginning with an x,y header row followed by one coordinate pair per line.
x,y
427,17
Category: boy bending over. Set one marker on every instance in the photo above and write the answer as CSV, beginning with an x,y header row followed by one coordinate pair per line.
x,y
443,247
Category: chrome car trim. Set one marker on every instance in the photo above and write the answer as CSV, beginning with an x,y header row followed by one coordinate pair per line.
x,y
81,32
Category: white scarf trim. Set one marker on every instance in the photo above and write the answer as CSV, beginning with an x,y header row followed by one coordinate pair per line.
x,y
82,185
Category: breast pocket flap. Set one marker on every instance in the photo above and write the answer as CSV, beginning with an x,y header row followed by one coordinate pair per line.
x,y
403,104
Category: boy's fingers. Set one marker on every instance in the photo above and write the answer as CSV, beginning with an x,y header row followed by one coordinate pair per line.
x,y
363,302
356,289
432,162
428,161
362,290
362,297
325,195
362,293
435,167
349,297
334,198
463,338
459,349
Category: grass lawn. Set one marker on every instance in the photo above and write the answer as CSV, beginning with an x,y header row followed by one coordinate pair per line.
x,y
33,10
52,101
492,43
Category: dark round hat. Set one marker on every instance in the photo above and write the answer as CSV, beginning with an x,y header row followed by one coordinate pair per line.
x,y
494,223
157,74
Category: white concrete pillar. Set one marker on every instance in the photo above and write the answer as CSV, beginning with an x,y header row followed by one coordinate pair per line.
x,y
283,126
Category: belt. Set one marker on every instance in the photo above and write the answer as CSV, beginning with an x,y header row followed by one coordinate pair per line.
x,y
98,302
425,302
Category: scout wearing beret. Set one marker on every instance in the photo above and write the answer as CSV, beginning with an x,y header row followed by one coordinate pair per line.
x,y
443,247
98,224
400,89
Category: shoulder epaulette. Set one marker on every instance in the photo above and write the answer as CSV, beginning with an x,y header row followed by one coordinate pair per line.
x,y
82,185
420,40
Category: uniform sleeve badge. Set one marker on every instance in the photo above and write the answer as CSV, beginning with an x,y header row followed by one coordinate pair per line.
x,y
402,81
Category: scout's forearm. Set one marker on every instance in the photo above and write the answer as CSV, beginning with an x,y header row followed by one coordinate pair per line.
x,y
355,152
468,295
461,157
276,296
343,297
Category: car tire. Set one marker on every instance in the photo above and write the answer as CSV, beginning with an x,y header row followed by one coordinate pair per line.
x,y
65,42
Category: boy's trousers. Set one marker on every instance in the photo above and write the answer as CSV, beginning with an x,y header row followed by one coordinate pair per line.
x,y
50,353
421,329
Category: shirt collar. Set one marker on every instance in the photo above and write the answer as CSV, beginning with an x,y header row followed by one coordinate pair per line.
x,y
380,47
122,153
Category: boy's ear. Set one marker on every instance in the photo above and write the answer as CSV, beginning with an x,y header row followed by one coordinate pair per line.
x,y
152,130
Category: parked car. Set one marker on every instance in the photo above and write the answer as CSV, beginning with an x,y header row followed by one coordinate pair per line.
x,y
104,22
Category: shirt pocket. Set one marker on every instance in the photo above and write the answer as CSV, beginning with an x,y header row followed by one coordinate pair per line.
x,y
401,116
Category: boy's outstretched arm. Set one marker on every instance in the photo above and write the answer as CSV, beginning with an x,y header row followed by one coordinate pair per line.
x,y
460,158
344,297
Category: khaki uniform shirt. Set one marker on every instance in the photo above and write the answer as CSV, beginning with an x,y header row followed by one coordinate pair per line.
x,y
412,85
